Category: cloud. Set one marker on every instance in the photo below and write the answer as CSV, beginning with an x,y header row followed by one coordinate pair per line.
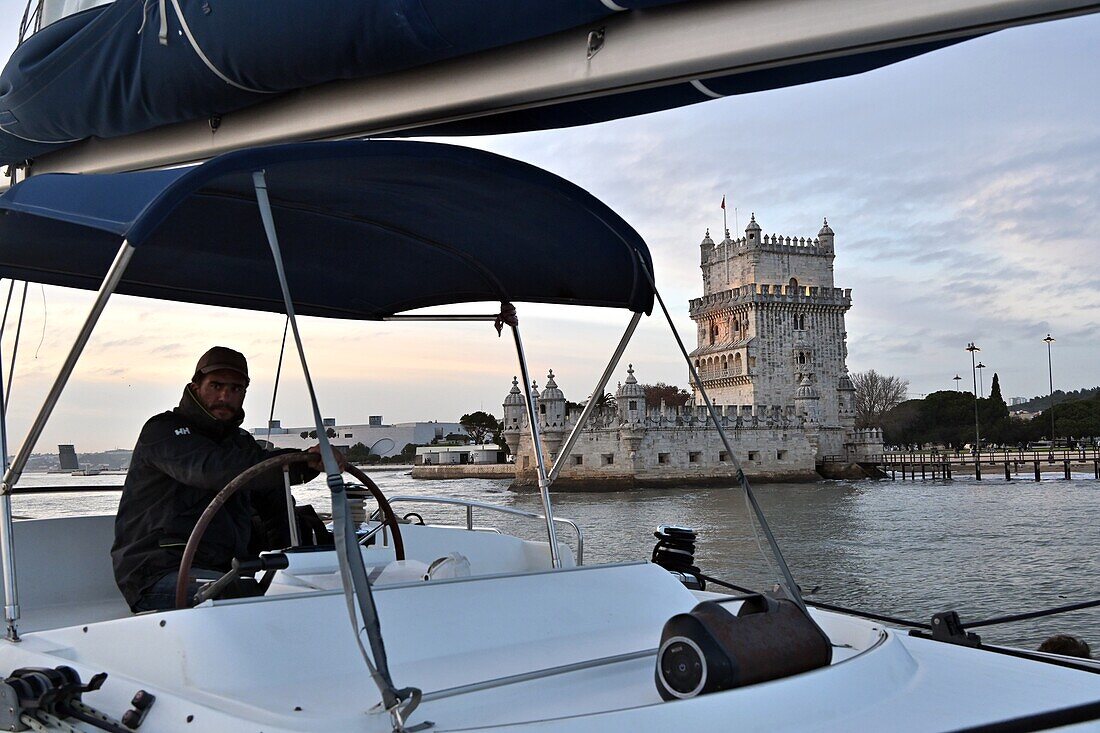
x,y
964,187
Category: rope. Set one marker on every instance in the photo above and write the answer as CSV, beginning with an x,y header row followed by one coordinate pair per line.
x,y
45,318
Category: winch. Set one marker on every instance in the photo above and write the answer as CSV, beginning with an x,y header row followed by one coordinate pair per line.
x,y
675,552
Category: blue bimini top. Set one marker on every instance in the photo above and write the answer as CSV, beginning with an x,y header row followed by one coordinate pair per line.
x,y
367,229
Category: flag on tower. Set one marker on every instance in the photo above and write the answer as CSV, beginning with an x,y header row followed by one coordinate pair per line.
x,y
723,203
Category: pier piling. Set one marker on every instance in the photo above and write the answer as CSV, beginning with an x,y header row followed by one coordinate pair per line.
x,y
1037,476
1008,475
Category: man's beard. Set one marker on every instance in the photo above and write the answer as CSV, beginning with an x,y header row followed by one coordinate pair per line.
x,y
219,405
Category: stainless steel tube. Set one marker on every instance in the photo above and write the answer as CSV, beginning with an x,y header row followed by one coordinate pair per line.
x,y
575,433
13,472
536,445
11,600
442,317
110,282
291,517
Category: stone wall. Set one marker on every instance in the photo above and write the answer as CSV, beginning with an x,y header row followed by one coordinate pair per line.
x,y
637,457
468,470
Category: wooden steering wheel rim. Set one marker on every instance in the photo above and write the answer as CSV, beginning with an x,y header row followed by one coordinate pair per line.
x,y
242,479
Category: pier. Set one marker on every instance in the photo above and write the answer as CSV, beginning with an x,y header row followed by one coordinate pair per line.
x,y
1000,464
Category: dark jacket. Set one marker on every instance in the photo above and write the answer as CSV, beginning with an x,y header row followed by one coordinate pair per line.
x,y
182,459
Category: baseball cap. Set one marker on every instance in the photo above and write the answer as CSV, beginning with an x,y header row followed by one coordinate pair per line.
x,y
221,357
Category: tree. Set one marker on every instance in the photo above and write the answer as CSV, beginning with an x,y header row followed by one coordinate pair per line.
x,y
606,402
480,425
672,395
875,395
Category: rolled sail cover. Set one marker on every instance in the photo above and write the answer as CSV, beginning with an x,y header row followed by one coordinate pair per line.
x,y
133,65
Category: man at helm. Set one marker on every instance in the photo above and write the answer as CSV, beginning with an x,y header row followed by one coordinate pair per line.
x,y
182,459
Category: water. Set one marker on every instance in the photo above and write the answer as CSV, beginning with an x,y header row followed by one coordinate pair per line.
x,y
907,549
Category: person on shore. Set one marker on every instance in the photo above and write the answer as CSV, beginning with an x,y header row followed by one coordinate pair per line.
x,y
1066,645
182,459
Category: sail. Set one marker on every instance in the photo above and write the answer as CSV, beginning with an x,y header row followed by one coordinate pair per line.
x,y
133,65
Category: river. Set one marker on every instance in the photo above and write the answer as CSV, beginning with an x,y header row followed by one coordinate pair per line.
x,y
907,549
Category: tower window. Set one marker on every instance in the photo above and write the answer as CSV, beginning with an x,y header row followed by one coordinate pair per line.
x,y
542,409
578,460
608,459
801,357
633,405
793,283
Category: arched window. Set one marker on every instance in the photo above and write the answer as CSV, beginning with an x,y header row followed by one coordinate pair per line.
x,y
736,363
802,357
793,283
725,364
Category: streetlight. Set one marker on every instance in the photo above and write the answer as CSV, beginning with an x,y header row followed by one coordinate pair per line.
x,y
1050,371
981,382
977,433
957,379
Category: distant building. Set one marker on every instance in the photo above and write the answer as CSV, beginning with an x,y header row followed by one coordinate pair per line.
x,y
345,436
67,456
441,455
1017,400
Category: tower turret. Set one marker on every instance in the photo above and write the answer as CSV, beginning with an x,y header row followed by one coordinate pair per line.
x,y
846,399
552,416
514,417
706,248
807,402
630,398
825,236
752,232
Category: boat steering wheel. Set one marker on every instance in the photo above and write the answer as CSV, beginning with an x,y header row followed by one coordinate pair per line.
x,y
242,479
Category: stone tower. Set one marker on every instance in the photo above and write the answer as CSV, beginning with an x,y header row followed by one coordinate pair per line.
x,y
551,417
515,417
771,323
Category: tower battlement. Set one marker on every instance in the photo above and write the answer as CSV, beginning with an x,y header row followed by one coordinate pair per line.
x,y
794,295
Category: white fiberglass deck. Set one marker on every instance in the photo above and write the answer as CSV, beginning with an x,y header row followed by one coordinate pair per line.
x,y
289,662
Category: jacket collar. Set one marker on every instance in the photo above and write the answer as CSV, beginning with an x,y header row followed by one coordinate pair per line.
x,y
190,408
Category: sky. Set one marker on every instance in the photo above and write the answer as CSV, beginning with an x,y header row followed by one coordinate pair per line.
x,y
963,187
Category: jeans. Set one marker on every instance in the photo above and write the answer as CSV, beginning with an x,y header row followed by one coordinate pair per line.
x,y
161,595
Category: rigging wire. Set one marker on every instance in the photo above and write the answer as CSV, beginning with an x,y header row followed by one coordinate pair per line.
x,y
755,511
15,349
1081,605
278,373
4,320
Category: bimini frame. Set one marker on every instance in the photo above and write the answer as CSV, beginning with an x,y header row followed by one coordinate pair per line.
x,y
361,609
